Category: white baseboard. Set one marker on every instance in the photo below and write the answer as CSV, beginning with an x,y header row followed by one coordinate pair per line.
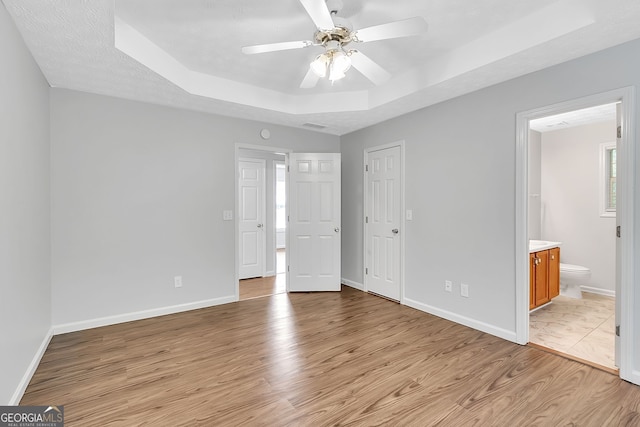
x,y
26,378
350,283
466,321
145,314
270,273
635,378
598,291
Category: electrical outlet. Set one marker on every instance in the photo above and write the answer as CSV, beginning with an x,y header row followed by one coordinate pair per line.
x,y
464,290
227,215
448,285
177,281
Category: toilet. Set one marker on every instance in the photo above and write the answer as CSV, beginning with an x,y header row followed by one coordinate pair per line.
x,y
571,277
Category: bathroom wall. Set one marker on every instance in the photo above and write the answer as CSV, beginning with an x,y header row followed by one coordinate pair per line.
x,y
535,207
570,200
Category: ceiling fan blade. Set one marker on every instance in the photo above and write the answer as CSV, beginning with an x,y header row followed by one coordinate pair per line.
x,y
274,47
392,30
310,80
368,68
317,10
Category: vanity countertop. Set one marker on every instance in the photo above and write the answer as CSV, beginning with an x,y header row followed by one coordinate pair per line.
x,y
541,245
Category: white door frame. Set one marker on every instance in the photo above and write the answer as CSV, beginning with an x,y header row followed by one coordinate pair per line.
x,y
241,146
625,212
403,227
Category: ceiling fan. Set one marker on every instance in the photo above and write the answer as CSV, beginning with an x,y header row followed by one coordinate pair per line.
x,y
334,34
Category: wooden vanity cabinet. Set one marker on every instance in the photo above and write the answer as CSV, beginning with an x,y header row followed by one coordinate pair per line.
x,y
554,273
541,282
532,278
544,281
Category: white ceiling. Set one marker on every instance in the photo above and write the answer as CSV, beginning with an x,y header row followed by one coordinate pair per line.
x,y
575,118
192,59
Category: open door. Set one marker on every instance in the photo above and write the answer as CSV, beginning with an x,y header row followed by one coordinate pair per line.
x,y
314,222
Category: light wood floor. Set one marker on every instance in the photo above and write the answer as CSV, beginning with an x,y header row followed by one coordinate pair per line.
x,y
264,286
583,328
318,359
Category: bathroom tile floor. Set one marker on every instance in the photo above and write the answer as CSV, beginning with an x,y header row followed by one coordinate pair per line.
x,y
583,328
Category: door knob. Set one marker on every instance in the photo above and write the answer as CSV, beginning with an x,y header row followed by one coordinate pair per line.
x,y
260,225
337,229
394,231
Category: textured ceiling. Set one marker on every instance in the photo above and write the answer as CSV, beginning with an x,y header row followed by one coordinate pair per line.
x,y
469,45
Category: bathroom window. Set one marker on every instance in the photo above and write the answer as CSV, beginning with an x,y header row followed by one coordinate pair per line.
x,y
608,172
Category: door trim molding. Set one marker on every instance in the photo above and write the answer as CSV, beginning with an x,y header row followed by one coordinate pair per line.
x,y
236,204
625,212
367,151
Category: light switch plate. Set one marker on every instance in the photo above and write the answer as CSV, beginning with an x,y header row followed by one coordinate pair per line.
x,y
464,290
227,215
409,215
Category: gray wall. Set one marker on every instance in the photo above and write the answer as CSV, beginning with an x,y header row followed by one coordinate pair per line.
x,y
25,294
460,171
570,200
138,192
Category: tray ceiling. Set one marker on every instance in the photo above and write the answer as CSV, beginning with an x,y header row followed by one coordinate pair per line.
x,y
186,54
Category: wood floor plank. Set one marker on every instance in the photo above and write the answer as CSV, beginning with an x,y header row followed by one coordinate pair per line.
x,y
316,359
262,286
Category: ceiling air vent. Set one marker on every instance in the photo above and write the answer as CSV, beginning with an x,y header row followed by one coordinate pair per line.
x,y
314,126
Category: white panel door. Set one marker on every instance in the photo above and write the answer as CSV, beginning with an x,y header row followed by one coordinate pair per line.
x,y
251,207
384,219
314,222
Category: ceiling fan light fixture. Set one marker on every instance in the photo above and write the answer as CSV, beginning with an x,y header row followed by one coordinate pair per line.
x,y
333,63
334,33
340,63
320,65
336,75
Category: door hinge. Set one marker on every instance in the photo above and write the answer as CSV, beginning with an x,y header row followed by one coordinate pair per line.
x,y
287,218
366,220
619,131
618,231
288,268
617,330
366,271
366,168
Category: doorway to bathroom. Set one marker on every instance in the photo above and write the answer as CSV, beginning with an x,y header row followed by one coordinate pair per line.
x,y
574,174
572,225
